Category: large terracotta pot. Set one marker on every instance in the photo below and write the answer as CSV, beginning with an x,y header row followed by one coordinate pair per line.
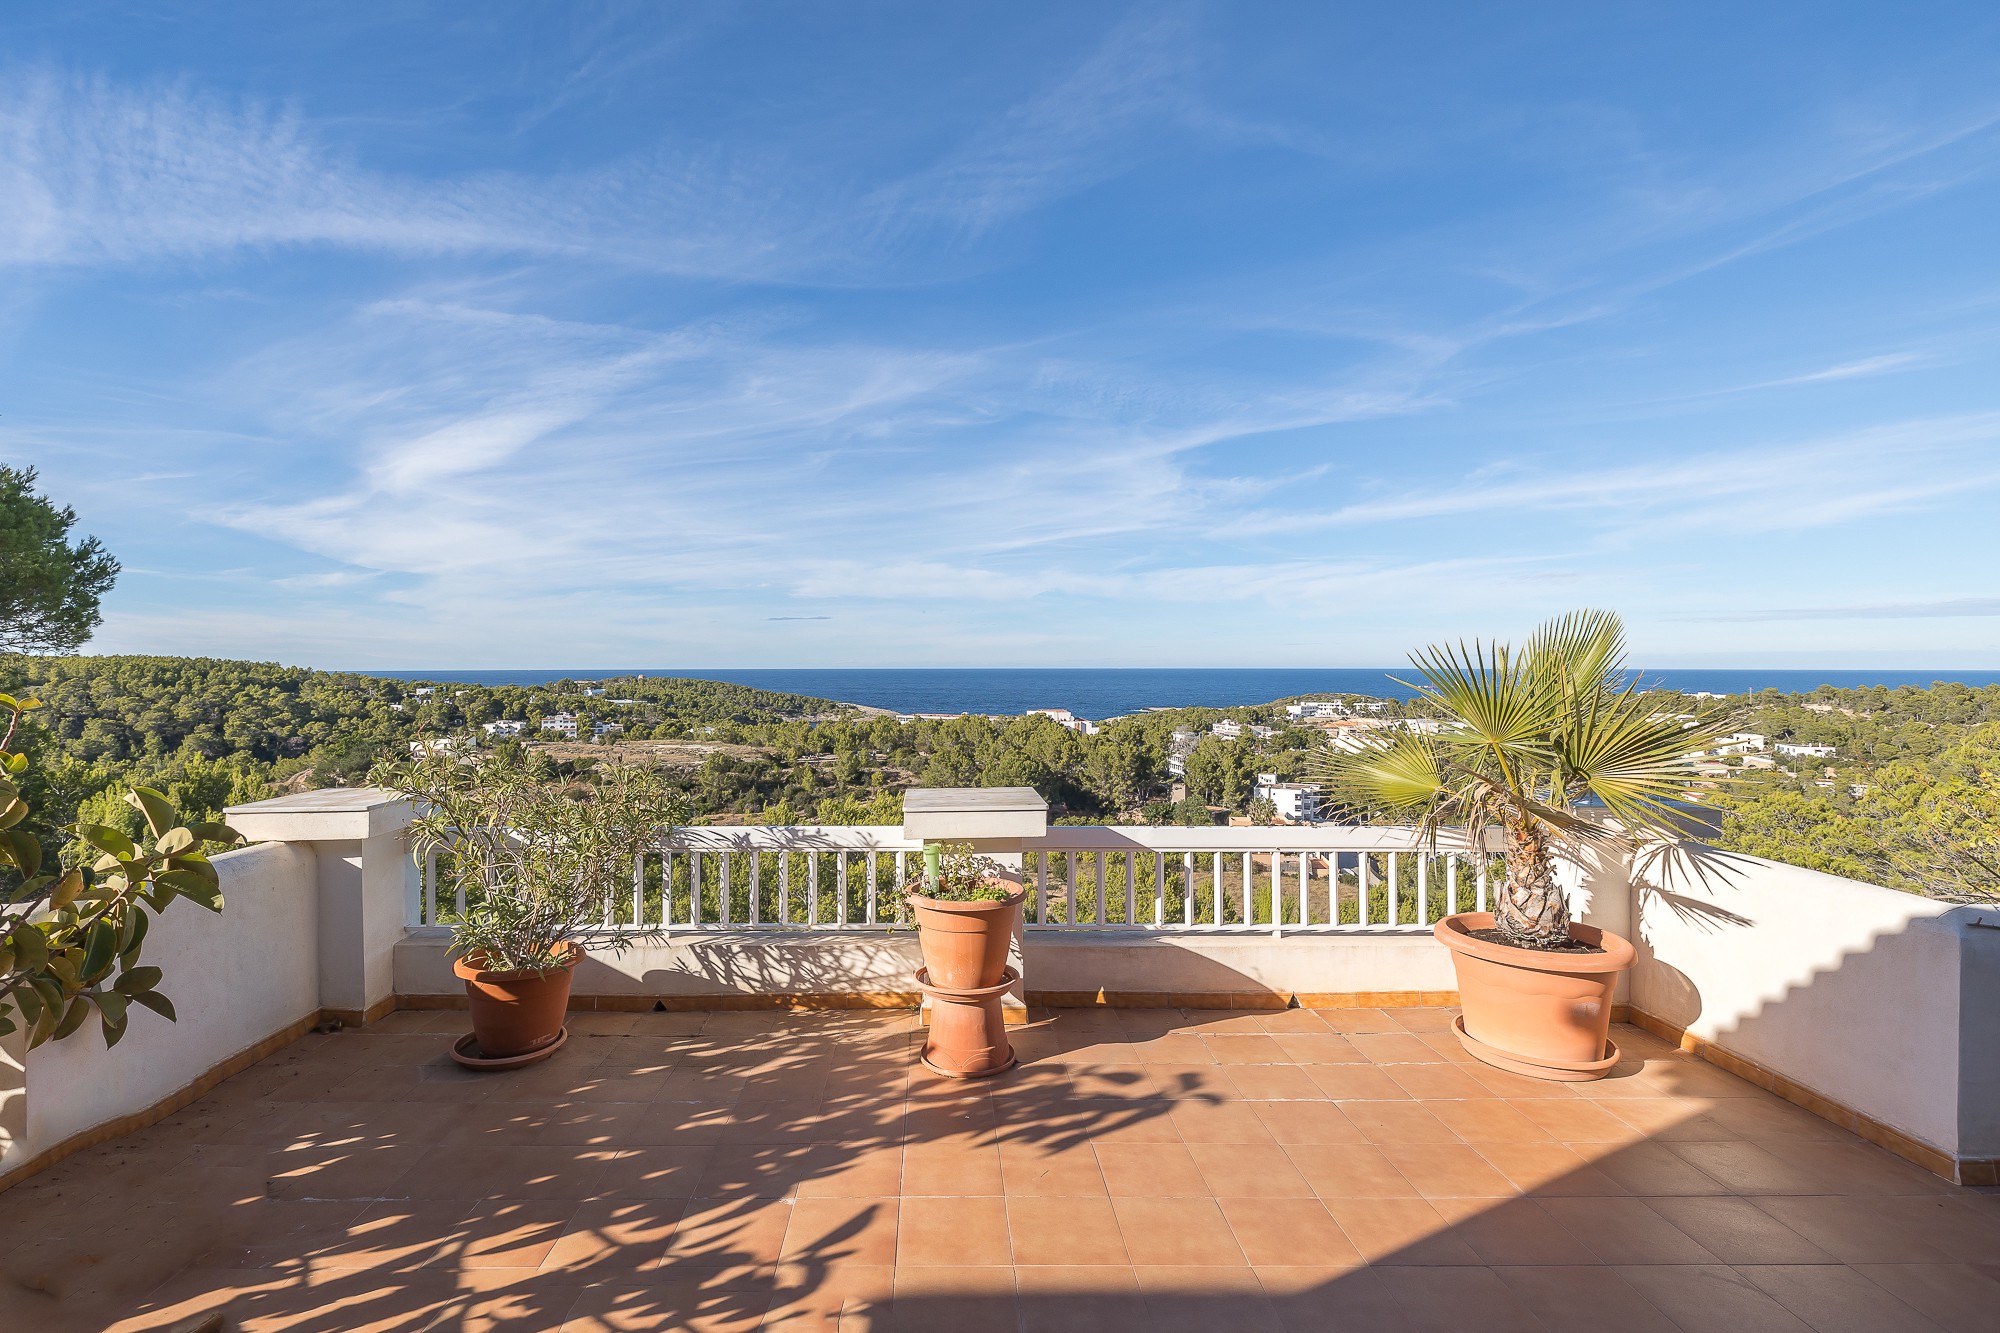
x,y
1546,1015
515,1013
965,944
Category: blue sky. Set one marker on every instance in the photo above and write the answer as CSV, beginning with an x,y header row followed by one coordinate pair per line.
x,y
1081,334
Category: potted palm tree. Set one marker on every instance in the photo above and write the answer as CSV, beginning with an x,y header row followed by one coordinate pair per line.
x,y
538,860
1551,750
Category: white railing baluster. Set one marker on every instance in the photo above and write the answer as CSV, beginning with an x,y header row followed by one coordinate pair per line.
x,y
784,888
1277,893
1215,864
1423,889
694,889
840,888
1187,889
872,881
1042,888
1159,889
1361,866
430,888
1069,889
1395,891
756,889
1131,889
1100,858
722,893
1481,886
812,888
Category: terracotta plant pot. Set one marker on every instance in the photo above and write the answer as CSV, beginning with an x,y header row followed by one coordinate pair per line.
x,y
515,1013
965,944
1546,1015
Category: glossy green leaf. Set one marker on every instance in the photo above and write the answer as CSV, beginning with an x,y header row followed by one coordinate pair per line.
x,y
159,811
157,1002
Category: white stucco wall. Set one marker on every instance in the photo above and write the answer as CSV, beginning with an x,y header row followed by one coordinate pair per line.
x,y
1854,991
235,979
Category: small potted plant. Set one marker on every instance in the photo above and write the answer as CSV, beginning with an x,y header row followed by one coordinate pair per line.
x,y
965,910
538,859
1530,739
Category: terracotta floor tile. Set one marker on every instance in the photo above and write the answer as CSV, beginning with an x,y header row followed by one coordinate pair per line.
x,y
1575,1120
399,1235
1359,1171
1448,1171
1248,1171
1710,1298
1549,1168
1244,1049
1397,1122
836,1172
609,1235
1307,1122
507,1300
1577,1299
953,1233
1065,1232
1670,1119
1098,1079
1958,1297
1760,1118
507,1233
1288,1231
833,1233
1072,1299
1736,1231
1356,1083
1833,1298
1450,1298
1386,1048
1854,1167
1399,1231
655,1173
498,1171
637,1308
1487,1120
808,1299
1318,1048
1626,1231
1292,1021
1178,1048
1203,1122
1750,1168
1505,1083
1202,1300
1852,1230
1649,1168
771,1171
1176,1232
730,1233
1150,1169
1437,1081
1036,1171
1263,1083
1506,1232
1360,1020
951,1169
963,1300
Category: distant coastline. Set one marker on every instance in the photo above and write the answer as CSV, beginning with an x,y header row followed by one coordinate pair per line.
x,y
1100,692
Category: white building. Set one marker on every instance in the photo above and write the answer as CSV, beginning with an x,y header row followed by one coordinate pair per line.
x,y
1804,751
1741,742
561,723
424,691
607,728
1179,747
1295,802
1229,731
1062,717
441,745
594,691
505,727
1305,712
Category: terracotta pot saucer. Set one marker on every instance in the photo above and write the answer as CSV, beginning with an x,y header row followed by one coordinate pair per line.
x,y
466,1052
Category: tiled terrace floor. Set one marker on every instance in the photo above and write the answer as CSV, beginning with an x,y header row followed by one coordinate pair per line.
x,y
1145,1170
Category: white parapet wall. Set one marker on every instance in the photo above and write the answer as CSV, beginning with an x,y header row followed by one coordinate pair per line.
x,y
1883,1003
237,979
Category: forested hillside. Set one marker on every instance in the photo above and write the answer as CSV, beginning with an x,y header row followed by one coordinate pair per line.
x,y
1908,797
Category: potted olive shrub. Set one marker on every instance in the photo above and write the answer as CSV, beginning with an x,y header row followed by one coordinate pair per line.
x,y
540,859
1531,739
965,911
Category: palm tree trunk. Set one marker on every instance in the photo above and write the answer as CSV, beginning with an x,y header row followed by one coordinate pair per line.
x,y
1532,911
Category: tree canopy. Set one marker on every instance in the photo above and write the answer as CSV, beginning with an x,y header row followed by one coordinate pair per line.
x,y
49,585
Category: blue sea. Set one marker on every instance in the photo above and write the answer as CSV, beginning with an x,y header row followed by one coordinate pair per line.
x,y
1112,691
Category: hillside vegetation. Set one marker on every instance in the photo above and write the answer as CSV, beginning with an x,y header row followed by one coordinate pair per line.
x,y
1910,798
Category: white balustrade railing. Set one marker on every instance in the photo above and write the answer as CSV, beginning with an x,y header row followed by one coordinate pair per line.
x,y
1120,878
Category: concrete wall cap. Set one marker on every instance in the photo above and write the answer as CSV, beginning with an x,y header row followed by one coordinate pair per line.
x,y
956,800
329,814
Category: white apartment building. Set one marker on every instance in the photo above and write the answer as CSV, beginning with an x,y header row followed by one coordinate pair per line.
x,y
505,727
563,724
607,729
1295,802
1305,712
440,745
1804,751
